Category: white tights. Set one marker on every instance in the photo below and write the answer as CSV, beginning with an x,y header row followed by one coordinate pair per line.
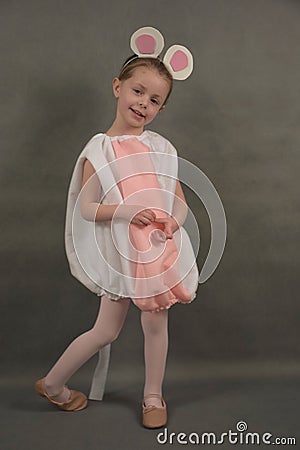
x,y
106,329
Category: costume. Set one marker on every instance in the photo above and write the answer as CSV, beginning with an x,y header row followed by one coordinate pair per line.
x,y
99,253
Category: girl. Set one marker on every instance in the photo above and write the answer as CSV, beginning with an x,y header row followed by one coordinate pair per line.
x,y
124,234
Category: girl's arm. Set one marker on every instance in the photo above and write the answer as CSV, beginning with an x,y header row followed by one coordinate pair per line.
x,y
179,213
92,210
90,207
180,208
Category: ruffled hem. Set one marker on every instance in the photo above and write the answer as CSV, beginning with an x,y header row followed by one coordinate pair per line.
x,y
110,295
172,302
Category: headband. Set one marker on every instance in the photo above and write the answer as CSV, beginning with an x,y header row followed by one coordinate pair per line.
x,y
148,42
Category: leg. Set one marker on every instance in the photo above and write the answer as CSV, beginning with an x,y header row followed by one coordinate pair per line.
x,y
155,328
106,329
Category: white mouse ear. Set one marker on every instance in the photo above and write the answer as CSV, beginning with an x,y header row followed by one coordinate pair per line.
x,y
147,42
179,61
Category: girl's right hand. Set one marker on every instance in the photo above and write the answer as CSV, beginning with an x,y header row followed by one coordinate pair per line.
x,y
144,217
136,214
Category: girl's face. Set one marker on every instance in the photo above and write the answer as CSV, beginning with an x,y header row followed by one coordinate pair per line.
x,y
140,98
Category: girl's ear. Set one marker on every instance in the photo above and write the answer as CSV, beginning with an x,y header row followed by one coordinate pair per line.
x,y
116,83
162,108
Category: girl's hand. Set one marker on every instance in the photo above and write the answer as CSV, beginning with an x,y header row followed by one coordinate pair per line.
x,y
170,225
139,215
144,217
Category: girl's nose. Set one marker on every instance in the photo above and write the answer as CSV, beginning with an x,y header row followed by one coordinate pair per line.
x,y
143,102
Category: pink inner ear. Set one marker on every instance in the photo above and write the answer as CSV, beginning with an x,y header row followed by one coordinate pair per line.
x,y
145,43
179,61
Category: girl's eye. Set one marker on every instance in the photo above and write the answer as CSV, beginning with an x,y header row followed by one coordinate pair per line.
x,y
137,91
156,102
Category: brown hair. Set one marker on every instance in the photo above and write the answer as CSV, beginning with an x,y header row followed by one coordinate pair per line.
x,y
134,61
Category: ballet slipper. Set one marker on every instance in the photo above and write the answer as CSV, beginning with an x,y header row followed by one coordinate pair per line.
x,y
154,417
76,402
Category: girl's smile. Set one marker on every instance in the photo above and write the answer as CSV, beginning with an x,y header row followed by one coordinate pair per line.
x,y
138,113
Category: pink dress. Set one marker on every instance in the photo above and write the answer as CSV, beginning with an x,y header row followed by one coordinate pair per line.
x,y
155,257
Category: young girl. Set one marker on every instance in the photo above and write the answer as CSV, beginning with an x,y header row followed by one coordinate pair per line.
x,y
124,234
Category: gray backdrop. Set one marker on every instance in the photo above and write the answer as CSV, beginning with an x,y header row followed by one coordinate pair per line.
x,y
236,118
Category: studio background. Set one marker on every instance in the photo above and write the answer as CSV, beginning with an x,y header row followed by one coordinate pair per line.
x,y
236,118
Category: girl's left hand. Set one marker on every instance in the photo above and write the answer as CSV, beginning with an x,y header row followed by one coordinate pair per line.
x,y
170,225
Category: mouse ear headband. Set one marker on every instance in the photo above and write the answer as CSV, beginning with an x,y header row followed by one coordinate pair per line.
x,y
148,42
